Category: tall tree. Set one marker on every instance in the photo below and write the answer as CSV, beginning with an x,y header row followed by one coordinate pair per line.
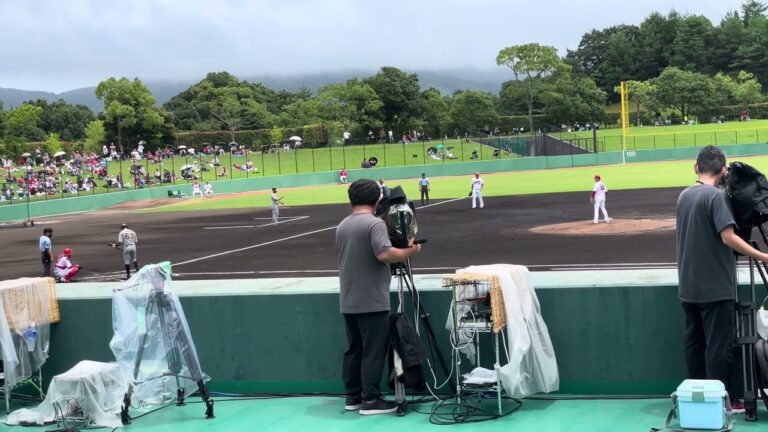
x,y
752,55
690,47
690,93
67,120
128,103
95,136
232,107
354,102
530,63
751,9
23,122
657,34
473,110
567,98
435,110
398,92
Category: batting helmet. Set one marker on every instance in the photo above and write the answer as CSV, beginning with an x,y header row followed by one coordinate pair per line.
x,y
67,252
597,176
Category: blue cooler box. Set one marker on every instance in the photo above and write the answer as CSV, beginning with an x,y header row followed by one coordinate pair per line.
x,y
701,404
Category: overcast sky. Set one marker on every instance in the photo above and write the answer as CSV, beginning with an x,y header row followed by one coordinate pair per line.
x,y
59,45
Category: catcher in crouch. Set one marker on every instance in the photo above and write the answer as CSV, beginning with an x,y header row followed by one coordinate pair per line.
x,y
127,240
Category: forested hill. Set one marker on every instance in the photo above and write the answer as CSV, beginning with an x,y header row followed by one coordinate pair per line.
x,y
446,81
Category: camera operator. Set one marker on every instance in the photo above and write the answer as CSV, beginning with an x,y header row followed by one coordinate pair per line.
x,y
364,253
706,267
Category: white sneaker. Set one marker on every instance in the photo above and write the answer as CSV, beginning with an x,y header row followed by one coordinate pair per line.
x,y
608,220
594,222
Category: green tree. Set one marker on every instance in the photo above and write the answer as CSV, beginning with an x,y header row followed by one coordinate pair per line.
x,y
567,98
2,119
302,112
67,120
531,63
23,122
688,92
752,55
127,104
725,41
232,107
751,9
354,102
690,48
95,136
657,34
435,111
473,110
399,94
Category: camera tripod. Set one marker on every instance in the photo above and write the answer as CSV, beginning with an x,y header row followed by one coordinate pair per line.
x,y
746,332
178,347
402,271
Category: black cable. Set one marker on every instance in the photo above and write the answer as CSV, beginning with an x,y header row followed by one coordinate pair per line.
x,y
466,412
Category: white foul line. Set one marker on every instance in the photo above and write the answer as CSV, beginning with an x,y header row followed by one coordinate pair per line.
x,y
285,239
288,219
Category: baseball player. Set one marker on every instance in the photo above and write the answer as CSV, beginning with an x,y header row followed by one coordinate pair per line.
x,y
45,251
196,190
599,193
65,270
208,189
276,201
477,190
424,187
126,241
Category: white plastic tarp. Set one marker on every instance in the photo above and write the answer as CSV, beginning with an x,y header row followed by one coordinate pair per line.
x,y
91,389
532,366
144,309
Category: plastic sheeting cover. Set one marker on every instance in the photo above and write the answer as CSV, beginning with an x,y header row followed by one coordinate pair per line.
x,y
90,388
145,309
28,300
532,366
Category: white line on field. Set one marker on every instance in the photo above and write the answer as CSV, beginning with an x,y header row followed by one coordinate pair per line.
x,y
254,272
288,219
258,245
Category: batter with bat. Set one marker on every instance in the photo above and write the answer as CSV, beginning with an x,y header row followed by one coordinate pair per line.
x,y
126,241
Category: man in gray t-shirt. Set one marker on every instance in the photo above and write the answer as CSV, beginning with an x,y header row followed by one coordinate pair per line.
x,y
364,253
706,268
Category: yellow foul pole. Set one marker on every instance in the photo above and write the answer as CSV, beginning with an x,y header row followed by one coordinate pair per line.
x,y
624,119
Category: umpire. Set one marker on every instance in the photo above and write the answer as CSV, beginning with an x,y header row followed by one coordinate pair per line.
x,y
45,251
424,187
127,239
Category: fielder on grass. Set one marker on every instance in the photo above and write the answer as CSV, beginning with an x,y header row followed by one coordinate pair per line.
x,y
477,190
599,194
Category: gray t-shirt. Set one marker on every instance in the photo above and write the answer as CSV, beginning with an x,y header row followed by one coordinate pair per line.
x,y
365,280
706,268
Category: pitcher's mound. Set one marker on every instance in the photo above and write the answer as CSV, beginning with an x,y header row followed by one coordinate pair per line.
x,y
615,227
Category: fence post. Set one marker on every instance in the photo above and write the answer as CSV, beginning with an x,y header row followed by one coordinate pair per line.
x,y
173,167
695,144
674,140
715,137
296,159
313,159
245,161
279,164
330,155
384,149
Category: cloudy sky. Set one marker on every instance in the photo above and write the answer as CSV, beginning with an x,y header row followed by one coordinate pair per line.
x,y
58,45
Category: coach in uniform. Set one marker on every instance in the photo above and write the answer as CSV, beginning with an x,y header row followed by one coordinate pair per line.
x,y
45,251
477,190
364,253
424,187
706,268
128,239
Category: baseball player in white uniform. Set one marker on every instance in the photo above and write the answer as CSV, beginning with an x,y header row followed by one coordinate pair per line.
x,y
599,193
276,201
196,190
127,239
208,190
477,190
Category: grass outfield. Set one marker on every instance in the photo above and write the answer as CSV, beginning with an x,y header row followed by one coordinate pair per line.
x,y
650,137
633,176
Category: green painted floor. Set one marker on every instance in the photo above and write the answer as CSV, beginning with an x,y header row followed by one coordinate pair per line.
x,y
327,414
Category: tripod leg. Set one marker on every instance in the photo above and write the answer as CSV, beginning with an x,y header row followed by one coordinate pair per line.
x,y
125,418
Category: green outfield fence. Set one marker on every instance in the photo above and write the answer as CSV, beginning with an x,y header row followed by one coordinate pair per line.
x,y
22,206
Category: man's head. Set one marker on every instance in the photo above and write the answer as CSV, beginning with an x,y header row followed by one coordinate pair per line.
x,y
711,162
381,181
477,175
597,177
274,190
48,231
67,252
364,192
423,175
123,226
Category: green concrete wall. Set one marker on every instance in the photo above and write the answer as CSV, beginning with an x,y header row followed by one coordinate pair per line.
x,y
611,340
10,212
